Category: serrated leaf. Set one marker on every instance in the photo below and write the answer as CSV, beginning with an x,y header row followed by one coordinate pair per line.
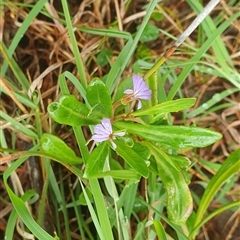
x,y
179,203
58,149
97,93
175,136
132,158
68,110
96,160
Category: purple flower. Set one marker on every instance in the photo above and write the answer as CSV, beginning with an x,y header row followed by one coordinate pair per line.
x,y
140,90
103,132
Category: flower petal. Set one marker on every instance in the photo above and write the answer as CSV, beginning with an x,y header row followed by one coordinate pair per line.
x,y
99,138
99,129
107,125
114,146
128,91
120,134
103,132
145,94
139,106
137,82
141,89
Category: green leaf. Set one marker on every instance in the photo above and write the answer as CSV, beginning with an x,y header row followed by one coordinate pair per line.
x,y
138,206
98,111
181,161
20,205
157,16
149,33
141,150
71,112
160,230
97,93
143,51
58,149
82,199
179,203
22,80
132,158
96,161
19,127
184,163
130,174
103,57
126,54
175,136
167,107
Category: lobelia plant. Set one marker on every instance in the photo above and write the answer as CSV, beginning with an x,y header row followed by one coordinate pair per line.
x,y
148,146
141,137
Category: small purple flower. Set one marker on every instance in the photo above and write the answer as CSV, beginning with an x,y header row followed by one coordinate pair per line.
x,y
103,132
140,90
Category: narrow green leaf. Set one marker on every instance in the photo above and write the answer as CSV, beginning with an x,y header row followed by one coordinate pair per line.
x,y
71,112
11,224
217,97
130,174
179,203
106,32
97,93
126,54
20,206
28,20
205,46
74,44
229,167
132,158
175,136
18,126
22,80
159,230
58,149
96,161
93,211
167,107
213,214
75,82
219,47
102,214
